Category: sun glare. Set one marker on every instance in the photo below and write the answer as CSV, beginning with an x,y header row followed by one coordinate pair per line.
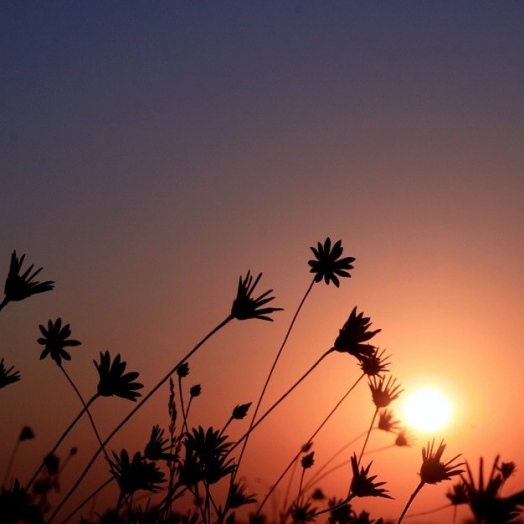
x,y
427,409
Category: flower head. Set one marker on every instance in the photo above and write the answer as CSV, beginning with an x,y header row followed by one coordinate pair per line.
x,y
19,286
26,434
328,265
403,439
433,470
246,307
457,495
363,485
8,376
195,390
308,460
113,381
375,364
55,339
135,474
158,447
354,335
237,495
302,513
384,392
16,505
387,422
240,411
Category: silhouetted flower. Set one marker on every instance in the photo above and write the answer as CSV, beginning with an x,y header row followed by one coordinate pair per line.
x,y
363,485
138,473
318,494
328,265
55,339
403,439
375,364
113,381
433,470
206,457
340,512
301,513
8,376
353,336
457,495
237,496
195,391
183,370
308,460
26,434
384,392
158,447
239,412
507,469
246,307
19,286
16,506
386,422
485,500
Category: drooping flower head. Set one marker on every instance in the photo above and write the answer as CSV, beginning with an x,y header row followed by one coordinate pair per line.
x,y
364,485
56,339
7,375
19,286
327,263
354,336
433,470
246,307
113,381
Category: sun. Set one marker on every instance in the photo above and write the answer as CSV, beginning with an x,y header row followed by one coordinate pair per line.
x,y
427,409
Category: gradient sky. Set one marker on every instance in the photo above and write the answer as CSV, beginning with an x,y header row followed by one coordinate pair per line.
x,y
152,152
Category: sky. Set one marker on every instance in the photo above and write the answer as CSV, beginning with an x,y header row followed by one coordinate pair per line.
x,y
153,152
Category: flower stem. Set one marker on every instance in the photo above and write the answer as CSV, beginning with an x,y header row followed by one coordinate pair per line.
x,y
294,460
268,378
283,397
411,499
133,411
367,435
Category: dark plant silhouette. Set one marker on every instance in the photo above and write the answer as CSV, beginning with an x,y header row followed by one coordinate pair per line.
x,y
433,470
19,286
7,375
246,307
113,381
328,265
55,339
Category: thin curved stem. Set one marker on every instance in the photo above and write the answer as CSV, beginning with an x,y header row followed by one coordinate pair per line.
x,y
269,376
317,431
88,498
133,411
93,425
367,434
411,499
63,436
282,398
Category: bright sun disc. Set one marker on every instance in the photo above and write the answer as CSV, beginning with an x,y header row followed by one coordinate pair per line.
x,y
427,409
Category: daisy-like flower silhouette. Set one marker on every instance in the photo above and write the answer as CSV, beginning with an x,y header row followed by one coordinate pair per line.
x,y
56,339
238,496
328,265
387,422
383,391
354,336
246,307
113,381
433,471
376,364
158,446
135,474
302,513
485,499
19,286
7,375
364,485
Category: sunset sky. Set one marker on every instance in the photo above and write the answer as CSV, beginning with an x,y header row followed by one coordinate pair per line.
x,y
153,152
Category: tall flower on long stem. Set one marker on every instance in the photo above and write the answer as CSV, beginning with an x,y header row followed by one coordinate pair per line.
x,y
19,286
433,470
244,307
327,265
